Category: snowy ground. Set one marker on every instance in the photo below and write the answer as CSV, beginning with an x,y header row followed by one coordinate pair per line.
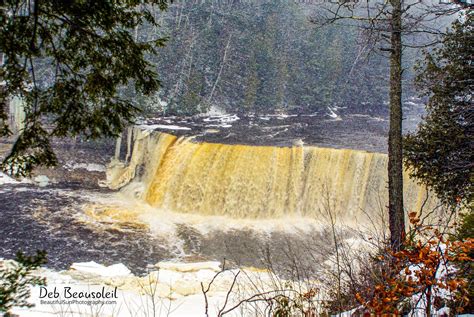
x,y
169,289
5,179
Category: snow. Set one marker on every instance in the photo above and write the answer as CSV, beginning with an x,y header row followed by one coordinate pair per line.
x,y
164,127
412,104
190,267
101,270
92,167
281,115
333,114
348,313
311,115
358,115
5,179
219,126
211,131
41,180
174,290
419,301
443,311
222,118
215,111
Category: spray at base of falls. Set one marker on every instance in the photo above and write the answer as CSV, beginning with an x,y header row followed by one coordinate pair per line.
x,y
244,181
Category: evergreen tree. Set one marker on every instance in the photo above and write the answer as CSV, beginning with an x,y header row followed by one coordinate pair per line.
x,y
441,153
16,280
277,60
68,60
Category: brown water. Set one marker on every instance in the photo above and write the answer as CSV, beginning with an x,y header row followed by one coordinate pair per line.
x,y
258,182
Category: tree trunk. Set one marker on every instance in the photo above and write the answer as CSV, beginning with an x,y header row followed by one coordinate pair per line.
x,y
395,167
4,103
209,100
428,302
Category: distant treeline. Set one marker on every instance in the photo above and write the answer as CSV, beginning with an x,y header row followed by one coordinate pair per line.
x,y
262,56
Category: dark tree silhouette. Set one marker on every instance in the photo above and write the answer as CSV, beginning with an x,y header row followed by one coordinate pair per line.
x,y
68,60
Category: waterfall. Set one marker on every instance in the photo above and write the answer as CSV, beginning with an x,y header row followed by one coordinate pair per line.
x,y
244,181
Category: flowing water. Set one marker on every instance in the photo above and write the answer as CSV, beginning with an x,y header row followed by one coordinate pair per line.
x,y
188,196
257,182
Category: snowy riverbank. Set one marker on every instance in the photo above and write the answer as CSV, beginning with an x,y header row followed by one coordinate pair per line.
x,y
169,289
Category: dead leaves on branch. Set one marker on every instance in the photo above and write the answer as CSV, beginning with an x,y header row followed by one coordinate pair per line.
x,y
423,272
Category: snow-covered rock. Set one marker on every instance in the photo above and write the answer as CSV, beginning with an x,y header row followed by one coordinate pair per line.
x,y
332,113
41,180
164,127
91,167
101,270
174,290
189,267
222,125
227,118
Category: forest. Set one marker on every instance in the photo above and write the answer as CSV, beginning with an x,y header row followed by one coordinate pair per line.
x,y
266,56
236,158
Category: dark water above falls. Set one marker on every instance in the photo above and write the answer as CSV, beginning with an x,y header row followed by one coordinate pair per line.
x,y
350,131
